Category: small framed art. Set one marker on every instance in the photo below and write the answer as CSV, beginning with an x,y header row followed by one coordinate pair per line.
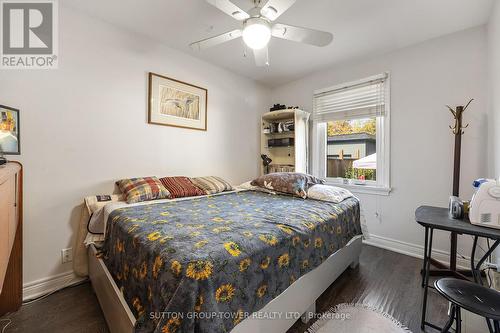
x,y
176,103
10,141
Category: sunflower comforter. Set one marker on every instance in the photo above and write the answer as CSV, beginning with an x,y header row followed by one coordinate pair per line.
x,y
203,265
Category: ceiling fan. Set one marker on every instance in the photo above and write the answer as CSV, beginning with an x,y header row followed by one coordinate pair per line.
x,y
258,28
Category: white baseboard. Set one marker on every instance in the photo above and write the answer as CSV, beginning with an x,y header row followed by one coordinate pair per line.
x,y
46,285
49,284
414,250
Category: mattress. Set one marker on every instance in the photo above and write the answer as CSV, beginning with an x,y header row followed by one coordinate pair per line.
x,y
205,264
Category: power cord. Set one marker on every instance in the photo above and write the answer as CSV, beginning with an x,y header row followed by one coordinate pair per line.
x,y
487,269
7,325
70,284
480,247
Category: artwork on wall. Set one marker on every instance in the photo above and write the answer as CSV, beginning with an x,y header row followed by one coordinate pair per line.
x,y
9,131
176,103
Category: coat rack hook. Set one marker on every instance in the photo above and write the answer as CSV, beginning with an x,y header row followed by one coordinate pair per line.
x,y
457,113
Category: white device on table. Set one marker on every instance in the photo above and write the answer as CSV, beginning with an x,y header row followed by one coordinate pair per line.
x,y
485,205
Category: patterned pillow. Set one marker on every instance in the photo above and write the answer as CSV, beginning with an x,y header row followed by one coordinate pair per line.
x,y
328,193
287,182
180,187
212,184
142,189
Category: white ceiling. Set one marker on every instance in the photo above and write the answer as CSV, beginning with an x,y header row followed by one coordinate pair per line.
x,y
361,28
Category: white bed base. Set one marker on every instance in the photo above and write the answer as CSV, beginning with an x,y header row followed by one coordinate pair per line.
x,y
299,298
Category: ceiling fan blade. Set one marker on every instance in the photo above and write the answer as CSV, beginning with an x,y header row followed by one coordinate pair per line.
x,y
274,8
302,35
230,9
212,41
261,57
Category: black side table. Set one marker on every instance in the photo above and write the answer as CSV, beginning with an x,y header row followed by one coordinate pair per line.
x,y
432,218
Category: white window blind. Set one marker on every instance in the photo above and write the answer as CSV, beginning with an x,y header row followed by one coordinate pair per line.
x,y
359,100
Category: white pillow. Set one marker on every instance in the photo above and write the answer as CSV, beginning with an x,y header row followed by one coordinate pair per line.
x,y
249,187
328,193
95,205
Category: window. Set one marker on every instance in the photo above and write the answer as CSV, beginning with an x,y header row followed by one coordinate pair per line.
x,y
351,133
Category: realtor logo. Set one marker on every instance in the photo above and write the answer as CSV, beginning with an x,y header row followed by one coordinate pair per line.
x,y
29,34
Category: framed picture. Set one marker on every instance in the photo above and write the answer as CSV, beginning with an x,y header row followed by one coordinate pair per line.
x,y
176,103
10,141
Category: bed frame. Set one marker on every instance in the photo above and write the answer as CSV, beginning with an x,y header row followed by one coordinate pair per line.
x,y
299,298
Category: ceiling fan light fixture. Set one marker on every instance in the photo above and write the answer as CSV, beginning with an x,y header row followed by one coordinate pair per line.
x,y
256,33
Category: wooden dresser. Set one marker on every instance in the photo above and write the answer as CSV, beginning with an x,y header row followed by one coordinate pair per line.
x,y
11,247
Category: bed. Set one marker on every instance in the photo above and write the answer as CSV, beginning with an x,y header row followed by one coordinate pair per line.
x,y
240,262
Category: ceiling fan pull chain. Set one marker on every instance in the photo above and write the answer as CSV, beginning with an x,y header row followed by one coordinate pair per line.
x,y
245,50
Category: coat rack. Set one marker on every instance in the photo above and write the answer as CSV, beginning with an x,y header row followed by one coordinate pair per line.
x,y
457,130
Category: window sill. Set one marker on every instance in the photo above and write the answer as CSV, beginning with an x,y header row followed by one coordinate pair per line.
x,y
362,189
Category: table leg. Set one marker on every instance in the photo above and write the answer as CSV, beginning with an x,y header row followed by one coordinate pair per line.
x,y
426,278
453,251
476,268
491,327
472,261
458,328
425,254
447,327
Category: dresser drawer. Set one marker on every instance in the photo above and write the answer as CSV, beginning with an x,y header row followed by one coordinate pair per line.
x,y
10,189
11,247
5,242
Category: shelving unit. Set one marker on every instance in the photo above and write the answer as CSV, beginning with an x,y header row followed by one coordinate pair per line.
x,y
288,157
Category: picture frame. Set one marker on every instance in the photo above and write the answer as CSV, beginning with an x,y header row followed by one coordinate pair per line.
x,y
10,137
175,103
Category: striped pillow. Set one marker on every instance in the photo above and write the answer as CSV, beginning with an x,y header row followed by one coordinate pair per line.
x,y
180,187
212,184
142,189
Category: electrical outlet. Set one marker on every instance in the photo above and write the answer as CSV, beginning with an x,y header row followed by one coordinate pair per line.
x,y
67,255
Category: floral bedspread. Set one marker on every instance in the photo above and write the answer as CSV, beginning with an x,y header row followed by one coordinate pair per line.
x,y
203,265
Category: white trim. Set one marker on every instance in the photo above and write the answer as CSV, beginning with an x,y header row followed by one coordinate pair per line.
x,y
382,76
383,148
49,284
413,250
362,189
384,145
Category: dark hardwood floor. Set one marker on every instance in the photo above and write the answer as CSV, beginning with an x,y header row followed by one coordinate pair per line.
x,y
384,279
388,281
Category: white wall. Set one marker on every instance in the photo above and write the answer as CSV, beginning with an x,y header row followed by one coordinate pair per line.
x,y
424,78
494,72
494,107
84,126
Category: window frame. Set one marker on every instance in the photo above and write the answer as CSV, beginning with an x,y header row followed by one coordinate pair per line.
x,y
319,144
